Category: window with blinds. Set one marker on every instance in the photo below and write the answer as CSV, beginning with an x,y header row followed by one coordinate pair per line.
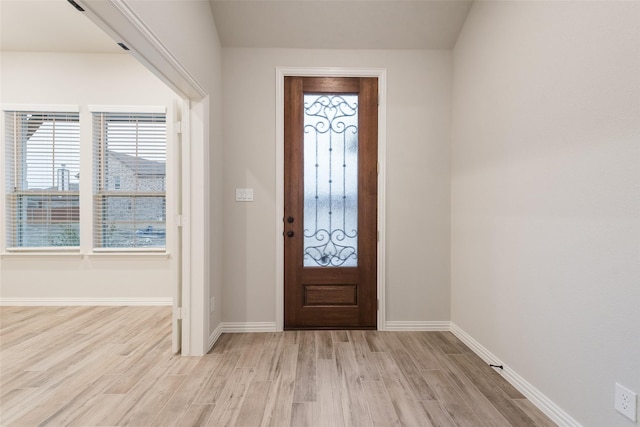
x,y
130,180
42,176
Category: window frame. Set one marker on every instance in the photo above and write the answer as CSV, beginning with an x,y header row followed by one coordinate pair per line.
x,y
6,193
95,192
86,249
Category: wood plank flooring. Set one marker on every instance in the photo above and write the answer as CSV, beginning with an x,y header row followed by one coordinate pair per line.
x,y
112,366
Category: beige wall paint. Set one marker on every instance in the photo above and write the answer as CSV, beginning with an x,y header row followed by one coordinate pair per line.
x,y
417,187
82,80
546,197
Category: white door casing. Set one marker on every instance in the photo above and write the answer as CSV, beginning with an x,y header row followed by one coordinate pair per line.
x,y
281,72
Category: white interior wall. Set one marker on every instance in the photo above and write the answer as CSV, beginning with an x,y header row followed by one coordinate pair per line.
x,y
187,32
83,80
417,168
546,197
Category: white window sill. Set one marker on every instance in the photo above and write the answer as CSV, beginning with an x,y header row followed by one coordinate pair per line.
x,y
131,253
41,254
107,254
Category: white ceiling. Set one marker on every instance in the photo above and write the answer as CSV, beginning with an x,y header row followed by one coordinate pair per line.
x,y
55,26
50,26
340,24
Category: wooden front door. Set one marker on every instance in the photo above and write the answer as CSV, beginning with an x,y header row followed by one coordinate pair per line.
x,y
330,202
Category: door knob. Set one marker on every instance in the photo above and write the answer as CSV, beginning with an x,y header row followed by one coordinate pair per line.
x,y
289,219
290,233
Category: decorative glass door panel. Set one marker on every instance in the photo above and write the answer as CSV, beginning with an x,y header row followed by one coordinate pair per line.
x,y
330,180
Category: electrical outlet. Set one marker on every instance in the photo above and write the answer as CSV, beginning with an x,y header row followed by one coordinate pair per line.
x,y
626,402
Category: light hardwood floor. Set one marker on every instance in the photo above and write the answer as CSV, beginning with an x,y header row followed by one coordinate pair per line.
x,y
112,366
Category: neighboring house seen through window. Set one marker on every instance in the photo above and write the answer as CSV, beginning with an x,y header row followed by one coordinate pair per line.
x,y
130,180
42,174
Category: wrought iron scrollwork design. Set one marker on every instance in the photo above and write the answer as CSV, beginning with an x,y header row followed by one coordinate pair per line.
x,y
335,117
330,113
330,252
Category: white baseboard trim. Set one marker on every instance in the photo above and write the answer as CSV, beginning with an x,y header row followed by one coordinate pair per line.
x,y
400,325
238,327
71,301
213,338
536,397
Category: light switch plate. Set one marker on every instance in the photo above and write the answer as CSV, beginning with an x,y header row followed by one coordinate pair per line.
x,y
244,194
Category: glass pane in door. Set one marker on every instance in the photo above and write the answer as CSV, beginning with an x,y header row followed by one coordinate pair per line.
x,y
330,180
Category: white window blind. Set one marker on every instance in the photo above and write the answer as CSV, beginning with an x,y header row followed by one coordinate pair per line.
x,y
130,180
42,176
